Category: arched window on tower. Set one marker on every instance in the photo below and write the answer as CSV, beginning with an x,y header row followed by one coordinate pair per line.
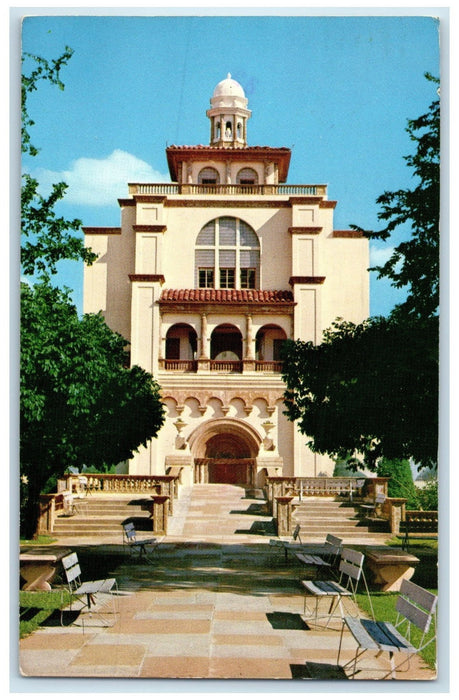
x,y
247,176
208,176
227,255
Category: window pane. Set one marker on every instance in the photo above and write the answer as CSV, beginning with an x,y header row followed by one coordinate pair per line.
x,y
227,258
227,278
247,278
207,234
206,278
248,237
249,258
227,228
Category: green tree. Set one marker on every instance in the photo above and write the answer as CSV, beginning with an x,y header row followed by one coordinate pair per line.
x,y
401,484
371,389
79,403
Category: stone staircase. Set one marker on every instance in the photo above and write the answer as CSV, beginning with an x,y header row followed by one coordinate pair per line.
x,y
97,516
322,515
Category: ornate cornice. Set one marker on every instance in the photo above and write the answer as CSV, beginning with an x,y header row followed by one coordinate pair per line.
x,y
328,204
228,203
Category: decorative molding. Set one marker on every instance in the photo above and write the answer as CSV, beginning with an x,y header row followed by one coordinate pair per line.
x,y
228,203
101,230
328,204
306,280
147,278
149,228
309,199
309,230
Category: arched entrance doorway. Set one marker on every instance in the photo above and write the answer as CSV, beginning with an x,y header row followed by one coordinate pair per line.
x,y
225,452
228,460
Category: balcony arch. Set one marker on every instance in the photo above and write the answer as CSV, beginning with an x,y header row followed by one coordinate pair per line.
x,y
226,348
268,345
181,348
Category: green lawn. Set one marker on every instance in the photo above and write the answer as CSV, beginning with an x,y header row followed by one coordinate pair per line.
x,y
37,606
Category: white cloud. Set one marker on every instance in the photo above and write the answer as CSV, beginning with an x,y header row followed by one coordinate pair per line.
x,y
379,256
99,182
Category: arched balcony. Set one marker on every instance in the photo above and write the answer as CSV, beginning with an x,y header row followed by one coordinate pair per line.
x,y
226,349
181,348
268,344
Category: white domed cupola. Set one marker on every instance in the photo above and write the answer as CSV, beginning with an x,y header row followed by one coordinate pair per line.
x,y
228,115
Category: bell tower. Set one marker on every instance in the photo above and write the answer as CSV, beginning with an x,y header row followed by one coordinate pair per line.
x,y
228,115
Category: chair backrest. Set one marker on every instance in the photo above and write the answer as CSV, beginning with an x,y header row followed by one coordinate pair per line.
x,y
416,604
351,565
72,569
129,532
333,544
380,498
296,533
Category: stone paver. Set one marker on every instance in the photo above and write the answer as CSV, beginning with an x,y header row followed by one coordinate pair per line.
x,y
217,602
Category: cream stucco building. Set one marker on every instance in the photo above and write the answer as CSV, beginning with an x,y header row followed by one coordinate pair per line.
x,y
206,277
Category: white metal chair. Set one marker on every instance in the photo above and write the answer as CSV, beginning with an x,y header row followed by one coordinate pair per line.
x,y
89,597
415,606
350,573
135,545
321,555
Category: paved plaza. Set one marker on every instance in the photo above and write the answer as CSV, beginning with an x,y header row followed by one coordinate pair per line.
x,y
216,603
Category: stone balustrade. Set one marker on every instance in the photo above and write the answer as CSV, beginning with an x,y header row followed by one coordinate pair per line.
x,y
163,486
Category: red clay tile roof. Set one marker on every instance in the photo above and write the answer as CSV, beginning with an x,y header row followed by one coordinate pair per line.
x,y
257,296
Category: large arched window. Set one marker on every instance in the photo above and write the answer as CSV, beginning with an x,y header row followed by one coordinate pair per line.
x,y
227,255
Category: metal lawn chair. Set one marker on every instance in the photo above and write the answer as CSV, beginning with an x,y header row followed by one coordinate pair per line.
x,y
135,545
350,572
288,545
415,607
89,597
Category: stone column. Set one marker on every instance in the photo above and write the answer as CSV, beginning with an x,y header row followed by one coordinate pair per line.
x,y
284,515
203,360
397,508
159,512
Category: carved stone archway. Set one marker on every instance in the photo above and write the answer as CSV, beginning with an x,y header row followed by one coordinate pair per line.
x,y
224,451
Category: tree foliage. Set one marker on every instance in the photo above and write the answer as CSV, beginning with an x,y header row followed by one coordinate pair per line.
x,y
371,389
401,484
79,403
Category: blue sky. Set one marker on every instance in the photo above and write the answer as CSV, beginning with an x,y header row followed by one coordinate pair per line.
x,y
336,90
